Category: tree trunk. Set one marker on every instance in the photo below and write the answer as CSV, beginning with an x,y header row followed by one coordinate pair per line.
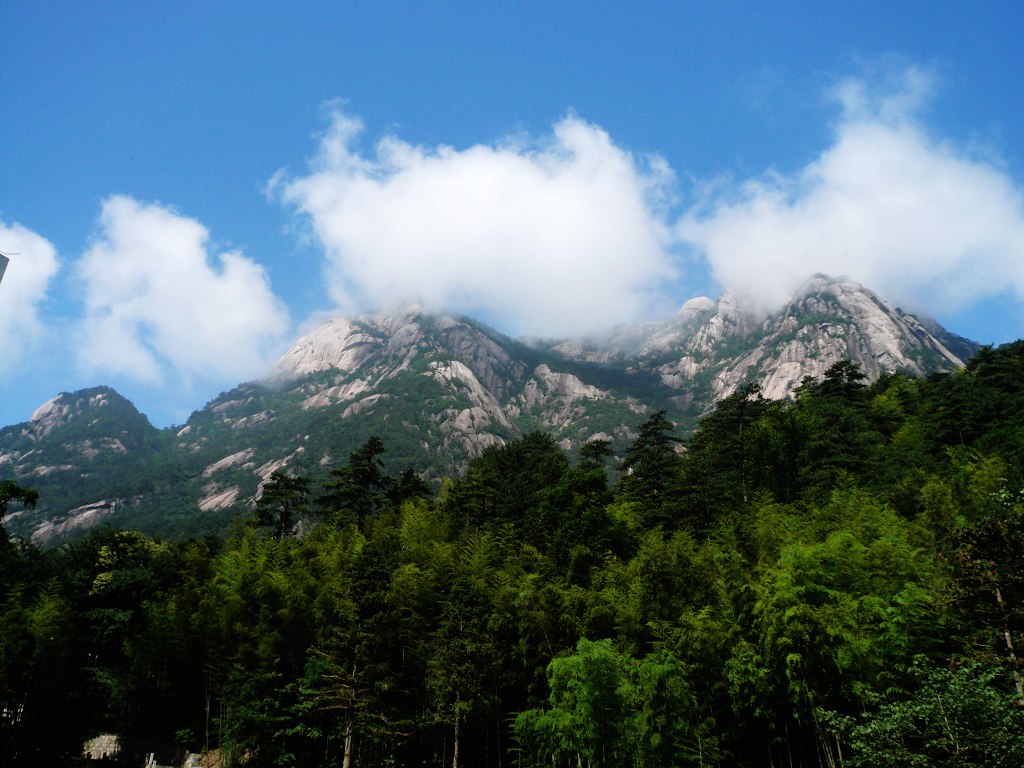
x,y
349,732
743,462
455,748
1009,648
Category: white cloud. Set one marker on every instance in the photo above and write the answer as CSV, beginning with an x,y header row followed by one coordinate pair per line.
x,y
552,237
914,217
33,263
157,300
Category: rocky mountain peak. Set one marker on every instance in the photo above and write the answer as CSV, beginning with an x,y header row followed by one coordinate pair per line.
x,y
382,343
730,319
725,343
338,343
717,344
65,407
695,308
832,319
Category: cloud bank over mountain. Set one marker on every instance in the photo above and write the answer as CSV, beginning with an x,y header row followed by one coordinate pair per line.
x,y
572,233
562,234
551,236
916,217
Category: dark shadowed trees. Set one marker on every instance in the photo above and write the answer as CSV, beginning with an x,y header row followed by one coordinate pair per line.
x,y
283,503
360,488
652,471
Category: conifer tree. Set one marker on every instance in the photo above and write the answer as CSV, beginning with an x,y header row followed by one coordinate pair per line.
x,y
361,486
652,468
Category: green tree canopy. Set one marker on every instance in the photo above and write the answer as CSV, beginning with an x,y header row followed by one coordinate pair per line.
x,y
652,469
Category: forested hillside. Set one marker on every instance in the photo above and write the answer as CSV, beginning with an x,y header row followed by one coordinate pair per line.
x,y
830,581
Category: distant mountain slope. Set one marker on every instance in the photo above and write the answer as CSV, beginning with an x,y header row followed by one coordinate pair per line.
x,y
88,453
438,389
711,347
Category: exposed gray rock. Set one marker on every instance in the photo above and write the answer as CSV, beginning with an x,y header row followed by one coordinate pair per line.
x,y
724,343
217,497
828,321
59,410
339,343
470,429
695,308
234,460
362,406
79,518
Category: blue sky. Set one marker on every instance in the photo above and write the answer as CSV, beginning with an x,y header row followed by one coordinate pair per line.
x,y
187,186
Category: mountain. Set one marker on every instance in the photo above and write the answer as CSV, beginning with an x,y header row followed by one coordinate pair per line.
x,y
438,390
90,452
711,347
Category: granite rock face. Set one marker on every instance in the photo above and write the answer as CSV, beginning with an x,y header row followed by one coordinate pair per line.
x,y
492,387
710,348
832,320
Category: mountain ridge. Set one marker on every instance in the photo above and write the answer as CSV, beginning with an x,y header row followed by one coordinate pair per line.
x,y
439,389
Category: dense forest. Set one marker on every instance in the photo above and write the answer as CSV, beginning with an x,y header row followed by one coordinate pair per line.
x,y
832,581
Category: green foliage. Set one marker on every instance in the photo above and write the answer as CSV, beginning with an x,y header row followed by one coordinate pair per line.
x,y
652,468
788,591
839,438
10,491
608,709
283,503
964,715
725,454
506,485
838,610
360,488
983,406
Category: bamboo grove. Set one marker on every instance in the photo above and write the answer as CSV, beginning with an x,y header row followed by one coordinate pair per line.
x,y
835,580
